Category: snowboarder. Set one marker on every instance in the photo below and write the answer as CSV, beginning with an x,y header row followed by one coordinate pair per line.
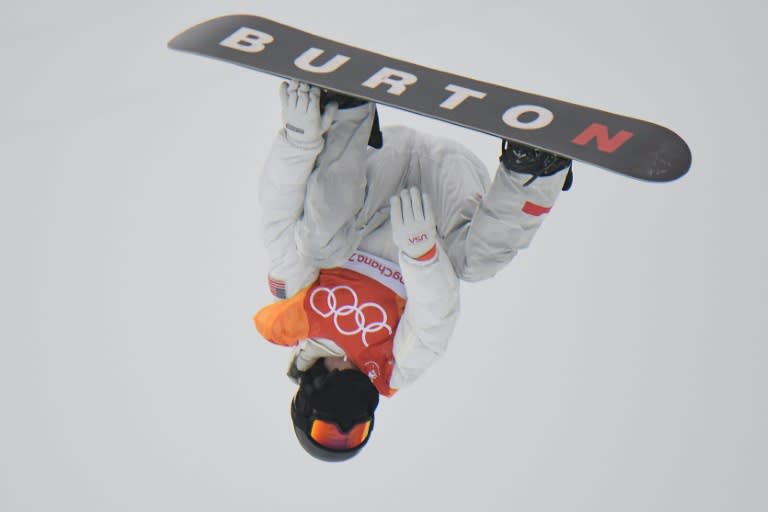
x,y
367,244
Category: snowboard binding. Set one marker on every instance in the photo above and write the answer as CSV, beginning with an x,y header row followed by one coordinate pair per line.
x,y
528,160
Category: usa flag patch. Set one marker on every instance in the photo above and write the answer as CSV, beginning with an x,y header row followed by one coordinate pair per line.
x,y
276,287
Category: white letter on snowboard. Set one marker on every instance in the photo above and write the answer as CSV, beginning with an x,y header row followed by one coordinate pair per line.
x,y
304,61
397,80
459,95
247,40
543,117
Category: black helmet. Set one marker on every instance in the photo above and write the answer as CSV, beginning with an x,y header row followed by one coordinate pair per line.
x,y
332,412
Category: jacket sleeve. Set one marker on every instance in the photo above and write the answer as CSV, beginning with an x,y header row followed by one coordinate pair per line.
x,y
309,197
429,318
282,191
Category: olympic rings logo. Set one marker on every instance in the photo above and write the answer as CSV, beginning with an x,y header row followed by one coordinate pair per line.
x,y
356,311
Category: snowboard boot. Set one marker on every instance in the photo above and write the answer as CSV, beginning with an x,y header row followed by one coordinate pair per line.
x,y
343,100
376,140
524,159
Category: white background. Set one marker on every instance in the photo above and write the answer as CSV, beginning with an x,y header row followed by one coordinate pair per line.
x,y
619,364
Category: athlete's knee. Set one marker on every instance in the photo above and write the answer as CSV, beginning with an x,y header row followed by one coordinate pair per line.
x,y
479,268
322,251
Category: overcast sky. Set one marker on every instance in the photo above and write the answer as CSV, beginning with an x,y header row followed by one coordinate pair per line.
x,y
618,364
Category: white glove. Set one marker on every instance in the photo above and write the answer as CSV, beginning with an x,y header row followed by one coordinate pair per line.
x,y
304,125
413,224
308,351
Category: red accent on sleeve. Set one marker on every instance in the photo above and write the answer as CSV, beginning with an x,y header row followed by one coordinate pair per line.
x,y
429,254
535,209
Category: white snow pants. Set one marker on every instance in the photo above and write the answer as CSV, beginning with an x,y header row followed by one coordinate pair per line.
x,y
481,224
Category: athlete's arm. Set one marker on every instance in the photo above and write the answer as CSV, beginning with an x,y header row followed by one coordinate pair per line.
x,y
282,190
431,284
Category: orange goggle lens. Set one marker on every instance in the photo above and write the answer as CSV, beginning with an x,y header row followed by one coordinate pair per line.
x,y
330,435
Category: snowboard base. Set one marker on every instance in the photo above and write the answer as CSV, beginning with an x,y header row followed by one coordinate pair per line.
x,y
621,144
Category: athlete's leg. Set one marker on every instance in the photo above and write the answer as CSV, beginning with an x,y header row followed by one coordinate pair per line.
x,y
335,192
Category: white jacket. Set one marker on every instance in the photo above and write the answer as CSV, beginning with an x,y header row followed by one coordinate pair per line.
x,y
321,203
432,288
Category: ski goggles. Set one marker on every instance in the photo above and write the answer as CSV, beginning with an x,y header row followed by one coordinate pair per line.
x,y
330,435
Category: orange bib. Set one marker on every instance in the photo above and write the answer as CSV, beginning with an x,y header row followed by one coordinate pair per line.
x,y
358,309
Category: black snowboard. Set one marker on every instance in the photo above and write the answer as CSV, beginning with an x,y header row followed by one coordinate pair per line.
x,y
628,146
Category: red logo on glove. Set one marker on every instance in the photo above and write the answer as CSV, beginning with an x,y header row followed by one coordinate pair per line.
x,y
417,239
